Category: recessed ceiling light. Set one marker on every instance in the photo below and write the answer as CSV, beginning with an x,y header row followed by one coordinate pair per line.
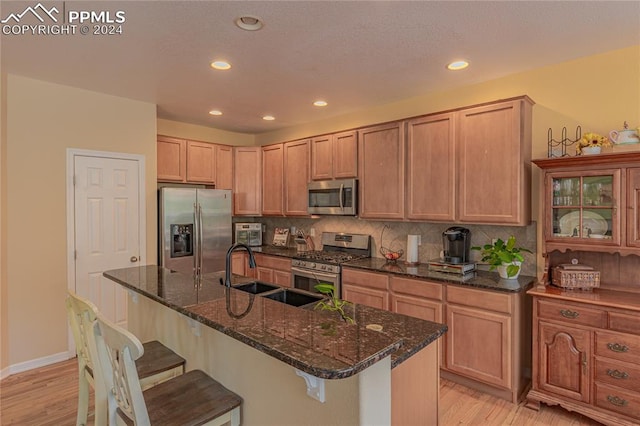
x,y
215,112
220,65
268,117
249,23
320,103
458,65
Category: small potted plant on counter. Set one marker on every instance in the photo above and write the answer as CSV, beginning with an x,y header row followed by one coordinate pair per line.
x,y
505,257
334,303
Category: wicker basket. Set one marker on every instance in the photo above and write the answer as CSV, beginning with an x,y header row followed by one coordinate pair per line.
x,y
578,277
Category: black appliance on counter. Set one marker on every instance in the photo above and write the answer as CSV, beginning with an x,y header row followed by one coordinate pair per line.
x,y
456,243
311,267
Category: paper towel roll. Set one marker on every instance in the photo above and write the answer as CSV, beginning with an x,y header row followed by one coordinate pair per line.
x,y
412,248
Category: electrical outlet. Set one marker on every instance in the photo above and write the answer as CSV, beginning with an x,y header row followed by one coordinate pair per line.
x,y
312,232
494,241
293,230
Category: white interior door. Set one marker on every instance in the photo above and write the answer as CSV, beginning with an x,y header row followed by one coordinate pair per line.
x,y
107,206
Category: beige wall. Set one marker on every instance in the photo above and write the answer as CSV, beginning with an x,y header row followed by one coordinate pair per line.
x,y
598,92
43,120
202,133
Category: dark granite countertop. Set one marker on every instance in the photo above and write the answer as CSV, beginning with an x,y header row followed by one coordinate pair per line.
x,y
317,342
276,251
478,279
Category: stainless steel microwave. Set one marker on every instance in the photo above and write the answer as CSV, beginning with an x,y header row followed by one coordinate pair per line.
x,y
333,197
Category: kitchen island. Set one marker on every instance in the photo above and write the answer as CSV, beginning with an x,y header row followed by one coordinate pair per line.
x,y
383,369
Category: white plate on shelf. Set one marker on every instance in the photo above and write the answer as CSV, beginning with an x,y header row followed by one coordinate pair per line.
x,y
591,220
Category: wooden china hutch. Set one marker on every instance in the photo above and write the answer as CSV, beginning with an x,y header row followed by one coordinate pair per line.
x,y
586,343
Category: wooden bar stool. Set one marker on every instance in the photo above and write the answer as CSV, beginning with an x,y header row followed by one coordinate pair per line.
x,y
193,398
158,363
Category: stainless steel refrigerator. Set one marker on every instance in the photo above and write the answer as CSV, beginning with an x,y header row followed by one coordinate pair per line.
x,y
194,229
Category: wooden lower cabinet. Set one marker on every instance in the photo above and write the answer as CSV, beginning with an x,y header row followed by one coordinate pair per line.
x,y
489,340
587,355
562,354
273,269
488,343
238,261
479,344
366,288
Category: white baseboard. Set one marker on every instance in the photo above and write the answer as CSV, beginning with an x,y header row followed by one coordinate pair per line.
x,y
35,363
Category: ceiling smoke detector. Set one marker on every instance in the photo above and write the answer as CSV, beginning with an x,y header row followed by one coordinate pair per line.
x,y
249,23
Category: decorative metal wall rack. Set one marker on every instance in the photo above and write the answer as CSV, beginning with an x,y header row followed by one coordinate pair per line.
x,y
558,148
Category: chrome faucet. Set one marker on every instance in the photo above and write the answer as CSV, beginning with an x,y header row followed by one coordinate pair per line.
x,y
252,261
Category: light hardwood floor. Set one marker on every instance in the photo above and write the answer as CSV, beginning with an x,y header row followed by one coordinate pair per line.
x,y
48,396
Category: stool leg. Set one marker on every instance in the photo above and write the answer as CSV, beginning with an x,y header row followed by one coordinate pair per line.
x,y
101,410
83,397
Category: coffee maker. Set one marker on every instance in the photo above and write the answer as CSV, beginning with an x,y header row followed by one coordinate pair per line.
x,y
456,242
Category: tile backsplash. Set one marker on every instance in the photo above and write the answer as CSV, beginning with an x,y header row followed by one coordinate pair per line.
x,y
395,235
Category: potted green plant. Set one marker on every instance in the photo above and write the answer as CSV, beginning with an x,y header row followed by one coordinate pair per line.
x,y
334,303
505,257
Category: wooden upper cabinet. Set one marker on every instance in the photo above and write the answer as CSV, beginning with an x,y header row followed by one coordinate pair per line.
x,y
201,162
494,154
431,168
247,181
592,203
172,159
272,179
381,159
334,156
224,167
296,174
322,157
345,155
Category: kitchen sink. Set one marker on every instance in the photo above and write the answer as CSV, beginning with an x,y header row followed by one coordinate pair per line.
x,y
256,287
293,298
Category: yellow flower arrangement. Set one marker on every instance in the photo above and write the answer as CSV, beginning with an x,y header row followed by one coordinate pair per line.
x,y
591,140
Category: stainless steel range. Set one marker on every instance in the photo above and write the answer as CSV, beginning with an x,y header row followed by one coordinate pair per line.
x,y
310,268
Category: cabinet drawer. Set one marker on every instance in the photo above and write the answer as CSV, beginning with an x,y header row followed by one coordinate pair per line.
x,y
618,400
365,279
574,314
274,262
623,347
417,288
627,323
484,299
623,375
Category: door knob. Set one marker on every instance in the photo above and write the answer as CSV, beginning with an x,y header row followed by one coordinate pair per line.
x,y
133,259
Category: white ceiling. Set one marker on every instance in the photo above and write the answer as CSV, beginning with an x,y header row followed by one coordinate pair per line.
x,y
353,54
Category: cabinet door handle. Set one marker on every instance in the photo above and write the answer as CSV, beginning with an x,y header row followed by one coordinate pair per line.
x,y
617,401
616,374
617,347
569,314
584,362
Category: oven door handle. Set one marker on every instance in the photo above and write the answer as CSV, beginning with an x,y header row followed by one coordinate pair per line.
x,y
312,274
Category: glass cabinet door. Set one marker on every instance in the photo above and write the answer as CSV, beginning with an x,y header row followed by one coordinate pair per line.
x,y
583,206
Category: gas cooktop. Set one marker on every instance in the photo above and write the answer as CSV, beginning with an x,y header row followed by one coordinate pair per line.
x,y
327,256
337,248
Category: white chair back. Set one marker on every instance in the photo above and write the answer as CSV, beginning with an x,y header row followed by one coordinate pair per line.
x,y
82,314
117,351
